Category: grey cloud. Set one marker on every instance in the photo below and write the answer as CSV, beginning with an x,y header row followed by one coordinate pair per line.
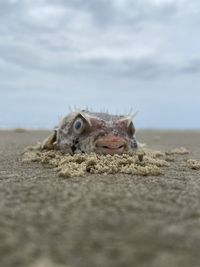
x,y
19,55
7,7
103,13
145,69
107,14
191,67
58,43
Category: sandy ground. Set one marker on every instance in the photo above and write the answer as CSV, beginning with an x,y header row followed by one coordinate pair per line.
x,y
98,220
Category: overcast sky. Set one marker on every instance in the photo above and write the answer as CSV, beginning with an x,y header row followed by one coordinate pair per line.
x,y
111,55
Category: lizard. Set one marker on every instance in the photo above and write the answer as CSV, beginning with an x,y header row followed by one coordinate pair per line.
x,y
85,132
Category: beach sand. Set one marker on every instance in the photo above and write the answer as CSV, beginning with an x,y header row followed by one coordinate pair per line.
x,y
99,220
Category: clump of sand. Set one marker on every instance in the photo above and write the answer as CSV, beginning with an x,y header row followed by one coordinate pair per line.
x,y
178,151
143,162
193,164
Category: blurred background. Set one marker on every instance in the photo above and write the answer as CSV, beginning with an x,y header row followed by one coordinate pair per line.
x,y
115,55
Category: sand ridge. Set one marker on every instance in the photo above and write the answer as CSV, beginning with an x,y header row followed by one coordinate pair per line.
x,y
143,162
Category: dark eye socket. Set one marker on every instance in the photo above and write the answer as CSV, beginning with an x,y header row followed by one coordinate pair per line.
x,y
131,129
126,124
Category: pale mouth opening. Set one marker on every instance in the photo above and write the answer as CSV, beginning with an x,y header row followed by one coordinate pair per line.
x,y
111,149
111,144
105,150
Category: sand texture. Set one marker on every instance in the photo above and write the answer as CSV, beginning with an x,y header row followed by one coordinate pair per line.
x,y
142,162
88,210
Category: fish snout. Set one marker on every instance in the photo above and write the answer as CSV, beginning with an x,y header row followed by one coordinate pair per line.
x,y
111,144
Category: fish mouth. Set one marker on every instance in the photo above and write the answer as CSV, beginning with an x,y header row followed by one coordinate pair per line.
x,y
110,145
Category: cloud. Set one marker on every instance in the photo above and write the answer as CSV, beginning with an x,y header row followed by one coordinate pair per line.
x,y
131,39
191,67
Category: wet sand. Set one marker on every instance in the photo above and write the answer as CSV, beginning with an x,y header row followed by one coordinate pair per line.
x,y
99,220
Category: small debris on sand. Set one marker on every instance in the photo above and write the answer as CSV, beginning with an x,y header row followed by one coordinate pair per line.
x,y
193,164
20,130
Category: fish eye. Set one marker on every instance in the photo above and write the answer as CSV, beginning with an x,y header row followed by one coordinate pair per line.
x,y
78,126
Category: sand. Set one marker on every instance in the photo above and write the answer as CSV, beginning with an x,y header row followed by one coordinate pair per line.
x,y
98,219
143,162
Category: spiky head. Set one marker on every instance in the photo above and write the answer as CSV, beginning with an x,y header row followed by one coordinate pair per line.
x,y
86,132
